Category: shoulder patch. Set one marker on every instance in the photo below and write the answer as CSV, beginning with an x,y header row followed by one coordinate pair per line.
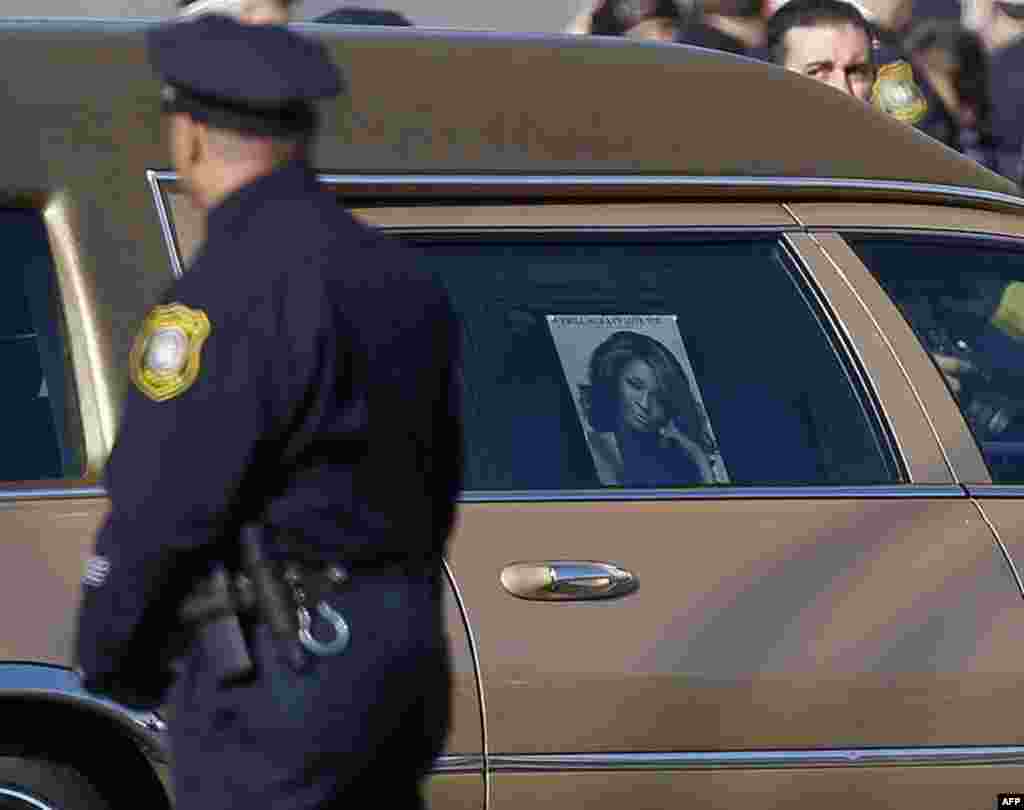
x,y
896,93
164,361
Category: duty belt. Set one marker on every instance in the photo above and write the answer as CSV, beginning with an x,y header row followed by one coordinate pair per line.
x,y
278,594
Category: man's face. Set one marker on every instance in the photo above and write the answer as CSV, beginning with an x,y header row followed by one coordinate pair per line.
x,y
839,55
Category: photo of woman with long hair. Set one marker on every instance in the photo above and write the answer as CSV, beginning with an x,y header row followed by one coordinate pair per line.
x,y
645,426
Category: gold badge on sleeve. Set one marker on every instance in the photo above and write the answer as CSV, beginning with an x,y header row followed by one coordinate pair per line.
x,y
164,360
896,93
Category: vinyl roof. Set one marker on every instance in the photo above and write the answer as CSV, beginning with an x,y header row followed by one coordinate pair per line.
x,y
442,102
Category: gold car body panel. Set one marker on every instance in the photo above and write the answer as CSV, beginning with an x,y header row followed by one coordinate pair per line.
x,y
768,621
850,622
961,787
41,581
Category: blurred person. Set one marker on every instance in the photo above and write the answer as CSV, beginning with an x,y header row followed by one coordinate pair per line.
x,y
362,16
257,12
833,41
892,21
737,26
953,60
659,20
1001,28
828,40
296,341
734,26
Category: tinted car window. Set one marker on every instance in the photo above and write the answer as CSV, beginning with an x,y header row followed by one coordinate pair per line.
x,y
37,418
607,363
965,301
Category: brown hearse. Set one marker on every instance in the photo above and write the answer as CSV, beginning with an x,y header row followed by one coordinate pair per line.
x,y
802,592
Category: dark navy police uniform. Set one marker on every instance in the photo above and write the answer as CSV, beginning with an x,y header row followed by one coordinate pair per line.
x,y
301,373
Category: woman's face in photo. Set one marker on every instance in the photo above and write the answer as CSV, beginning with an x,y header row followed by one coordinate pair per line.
x,y
640,403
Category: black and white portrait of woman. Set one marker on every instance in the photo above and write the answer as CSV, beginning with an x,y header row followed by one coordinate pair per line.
x,y
641,410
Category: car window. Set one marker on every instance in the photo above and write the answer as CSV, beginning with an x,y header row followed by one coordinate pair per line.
x,y
38,419
602,363
964,298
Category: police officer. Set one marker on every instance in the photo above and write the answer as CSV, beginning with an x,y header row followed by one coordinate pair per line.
x,y
907,93
299,377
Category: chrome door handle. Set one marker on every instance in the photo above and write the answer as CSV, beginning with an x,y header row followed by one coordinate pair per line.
x,y
561,580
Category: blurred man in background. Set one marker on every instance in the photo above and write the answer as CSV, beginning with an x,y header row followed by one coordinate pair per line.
x,y
953,61
362,16
1001,27
828,40
737,26
659,20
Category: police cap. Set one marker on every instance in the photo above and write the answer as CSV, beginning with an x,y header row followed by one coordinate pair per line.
x,y
255,79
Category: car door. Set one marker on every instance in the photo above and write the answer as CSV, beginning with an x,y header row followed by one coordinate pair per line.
x,y
809,622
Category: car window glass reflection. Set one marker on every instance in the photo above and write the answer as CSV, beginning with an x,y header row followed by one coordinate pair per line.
x,y
39,426
605,363
965,302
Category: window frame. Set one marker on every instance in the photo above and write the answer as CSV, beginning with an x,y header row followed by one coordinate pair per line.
x,y
450,193
806,288
1002,240
83,415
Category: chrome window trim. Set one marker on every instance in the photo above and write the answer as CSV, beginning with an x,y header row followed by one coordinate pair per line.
x,y
809,184
155,178
995,490
707,760
460,763
885,491
846,232
841,329
52,493
460,231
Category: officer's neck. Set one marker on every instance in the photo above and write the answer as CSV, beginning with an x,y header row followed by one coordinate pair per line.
x,y
219,180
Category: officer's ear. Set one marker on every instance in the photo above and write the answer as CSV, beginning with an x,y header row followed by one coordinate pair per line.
x,y
198,142
181,137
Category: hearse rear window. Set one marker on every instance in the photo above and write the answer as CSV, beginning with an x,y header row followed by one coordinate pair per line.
x,y
39,427
602,363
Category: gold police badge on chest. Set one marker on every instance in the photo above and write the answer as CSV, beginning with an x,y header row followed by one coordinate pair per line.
x,y
164,360
896,93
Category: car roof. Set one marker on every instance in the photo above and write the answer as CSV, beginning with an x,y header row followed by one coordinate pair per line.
x,y
443,102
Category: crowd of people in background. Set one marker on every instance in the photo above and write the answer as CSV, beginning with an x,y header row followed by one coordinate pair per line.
x,y
952,68
954,72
